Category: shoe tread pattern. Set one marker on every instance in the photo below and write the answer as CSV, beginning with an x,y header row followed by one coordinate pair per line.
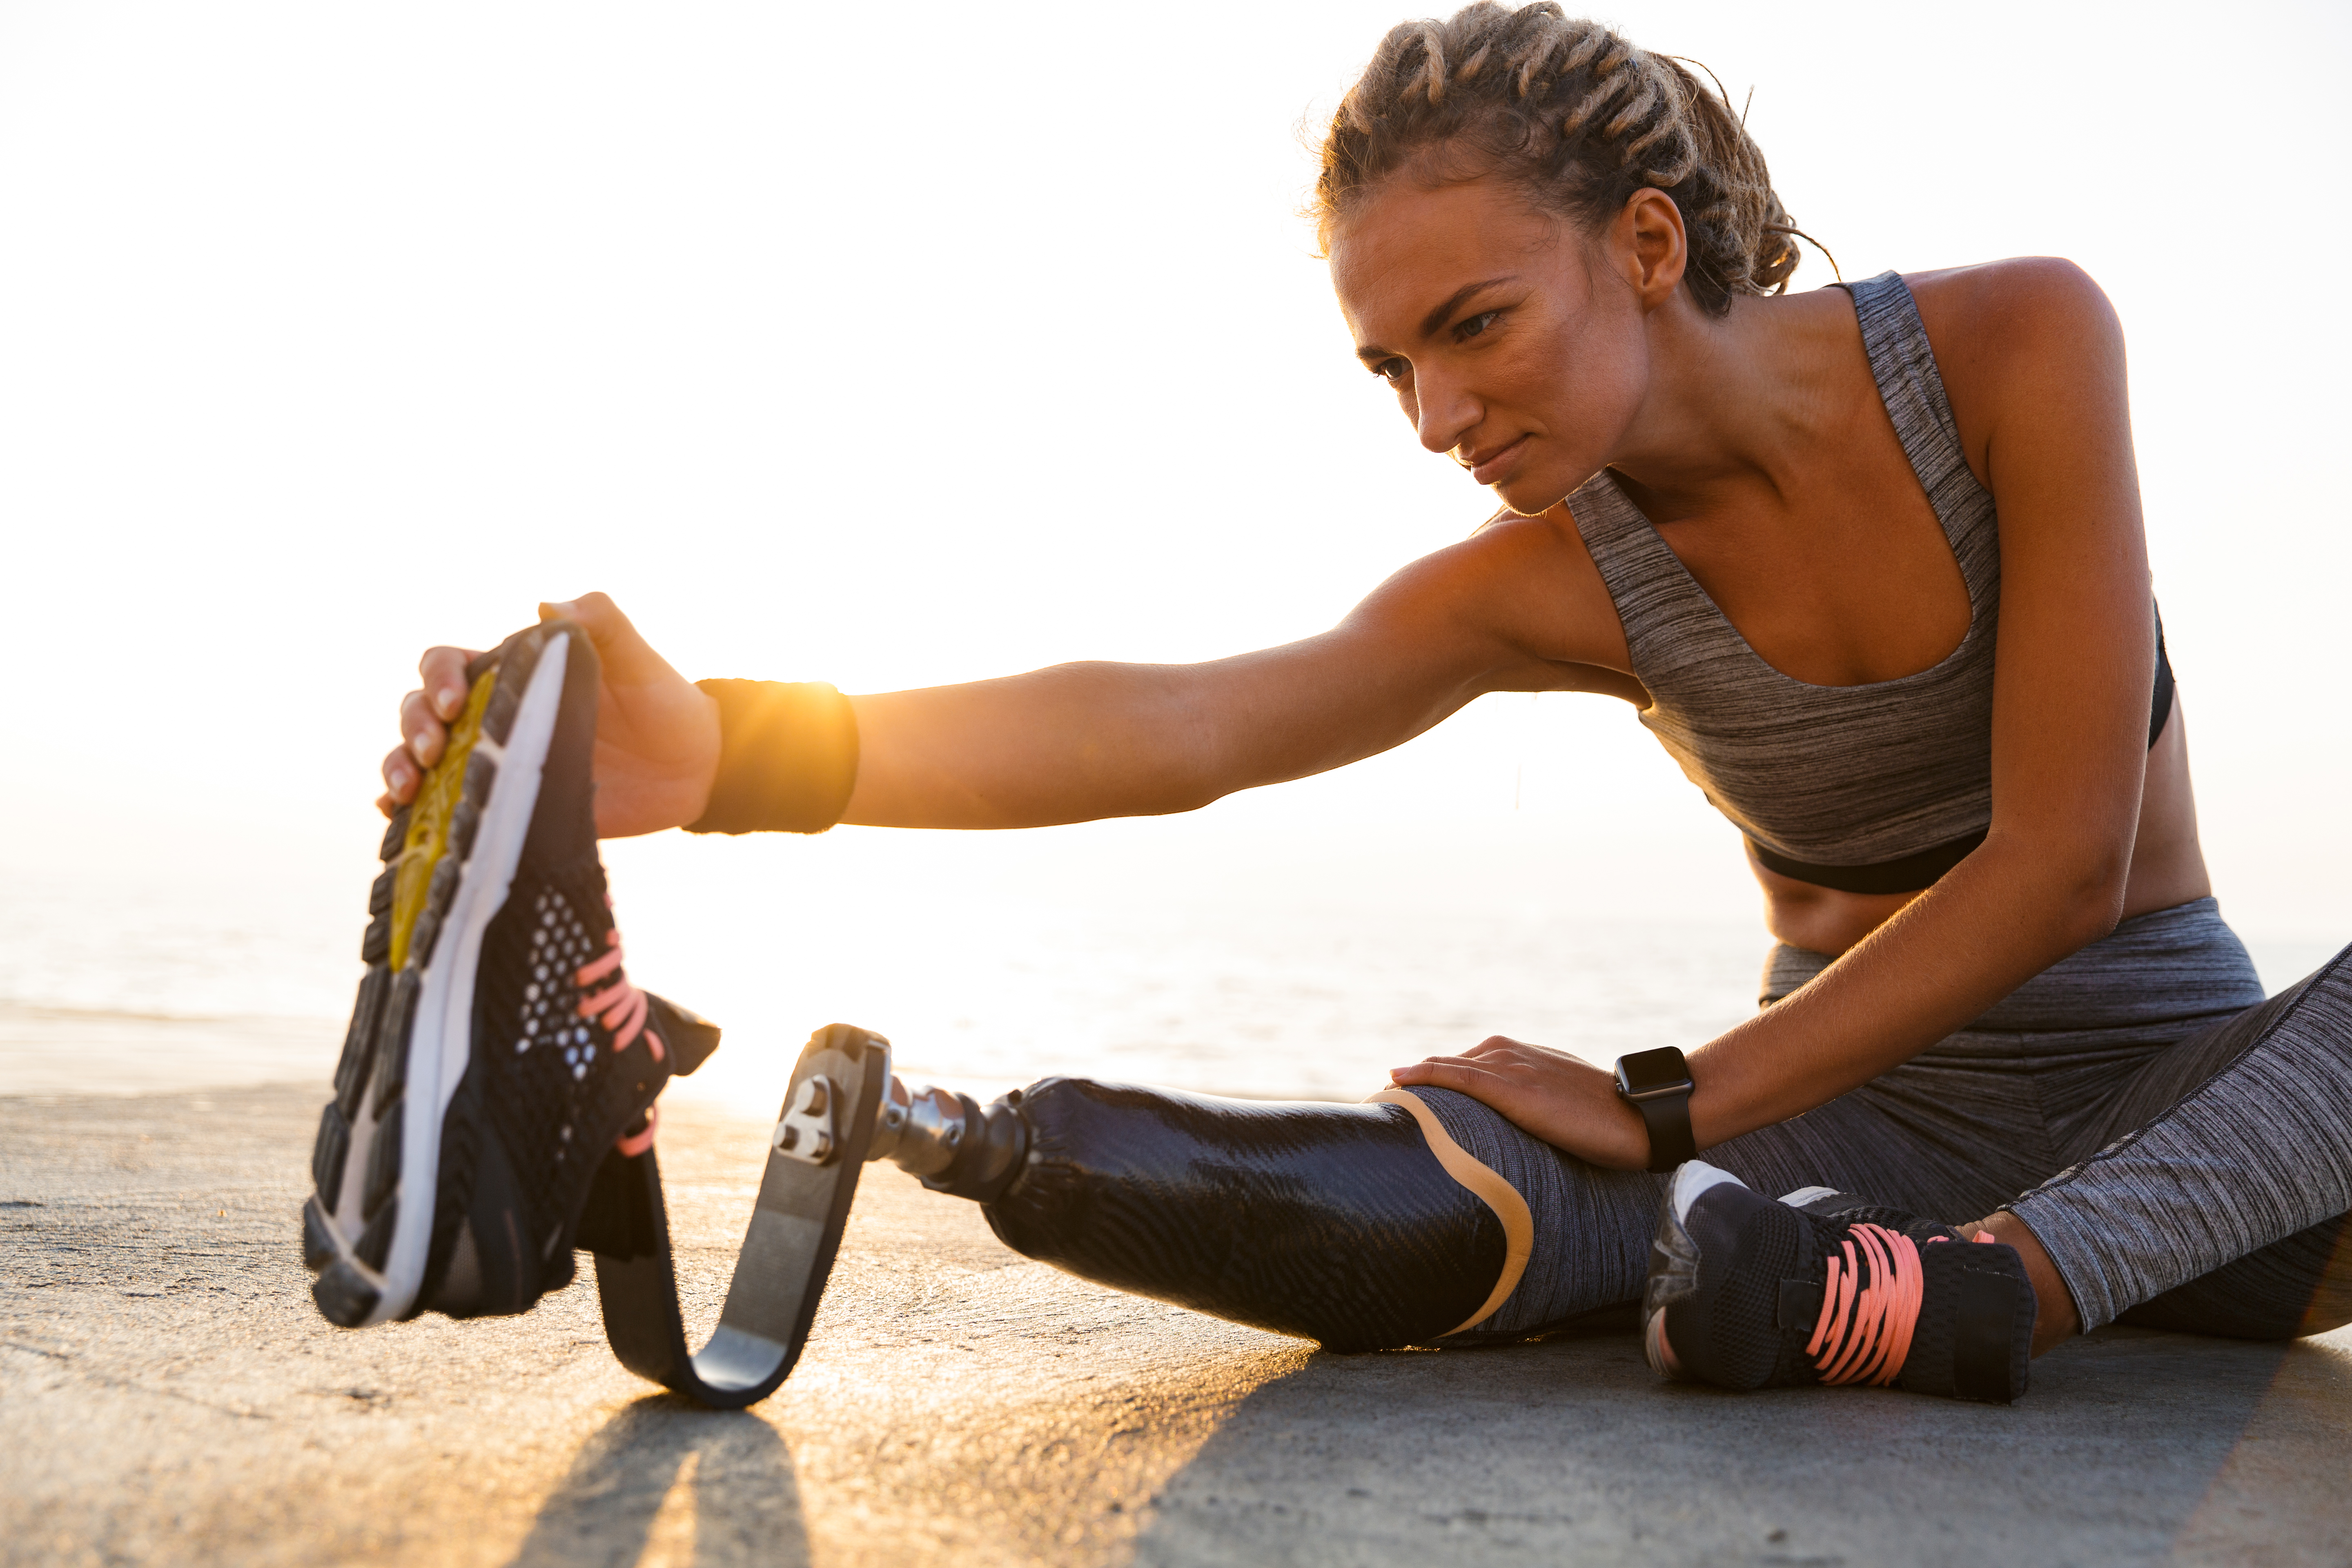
x,y
327,1153
367,1009
376,1241
319,1247
374,1060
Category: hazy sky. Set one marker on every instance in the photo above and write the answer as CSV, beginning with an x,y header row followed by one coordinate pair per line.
x,y
895,345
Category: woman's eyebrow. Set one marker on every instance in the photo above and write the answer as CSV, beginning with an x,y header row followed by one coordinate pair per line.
x,y
1435,322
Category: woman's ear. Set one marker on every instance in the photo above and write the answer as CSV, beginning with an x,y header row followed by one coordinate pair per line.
x,y
1650,247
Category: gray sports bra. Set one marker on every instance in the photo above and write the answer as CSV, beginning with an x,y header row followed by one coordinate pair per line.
x,y
1876,788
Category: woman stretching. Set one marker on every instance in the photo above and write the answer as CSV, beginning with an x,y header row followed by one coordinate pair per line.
x,y
1867,561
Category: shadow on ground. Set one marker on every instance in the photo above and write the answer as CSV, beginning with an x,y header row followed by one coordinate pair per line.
x,y
668,1478
2133,1446
172,1397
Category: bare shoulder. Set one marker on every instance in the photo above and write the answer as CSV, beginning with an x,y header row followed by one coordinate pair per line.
x,y
2012,284
1528,582
2010,336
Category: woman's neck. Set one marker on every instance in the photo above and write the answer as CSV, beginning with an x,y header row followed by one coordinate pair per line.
x,y
1736,401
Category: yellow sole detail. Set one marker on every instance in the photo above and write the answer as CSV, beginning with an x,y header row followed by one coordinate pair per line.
x,y
428,818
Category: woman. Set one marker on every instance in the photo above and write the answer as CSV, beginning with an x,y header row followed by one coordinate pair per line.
x,y
1869,561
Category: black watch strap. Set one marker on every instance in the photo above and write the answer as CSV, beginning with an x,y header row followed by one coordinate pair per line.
x,y
1668,1120
1657,1083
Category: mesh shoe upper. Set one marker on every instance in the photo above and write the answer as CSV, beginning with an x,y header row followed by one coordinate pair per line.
x,y
1747,1294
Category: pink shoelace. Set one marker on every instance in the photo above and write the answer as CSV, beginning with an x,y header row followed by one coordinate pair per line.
x,y
621,1007
1863,1334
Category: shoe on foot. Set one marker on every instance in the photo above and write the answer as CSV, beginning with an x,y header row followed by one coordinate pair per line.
x,y
1828,1203
497,1049
1745,1293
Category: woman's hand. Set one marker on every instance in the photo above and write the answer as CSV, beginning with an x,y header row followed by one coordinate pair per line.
x,y
1561,1099
657,734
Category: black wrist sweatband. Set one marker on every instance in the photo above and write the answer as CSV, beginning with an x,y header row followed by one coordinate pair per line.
x,y
787,757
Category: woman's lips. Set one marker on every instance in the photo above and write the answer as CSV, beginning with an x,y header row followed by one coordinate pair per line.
x,y
1490,469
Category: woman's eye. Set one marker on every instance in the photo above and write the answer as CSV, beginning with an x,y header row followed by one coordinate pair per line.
x,y
1477,323
1392,369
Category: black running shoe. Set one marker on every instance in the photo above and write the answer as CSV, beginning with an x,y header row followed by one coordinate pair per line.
x,y
1745,1293
497,1051
1828,1203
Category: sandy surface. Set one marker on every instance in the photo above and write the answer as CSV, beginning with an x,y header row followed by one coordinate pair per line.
x,y
168,1395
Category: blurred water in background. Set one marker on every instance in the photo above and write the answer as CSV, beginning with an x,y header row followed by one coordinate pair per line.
x,y
1137,951
986,968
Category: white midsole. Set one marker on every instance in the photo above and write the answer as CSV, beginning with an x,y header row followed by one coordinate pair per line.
x,y
1693,1177
441,1041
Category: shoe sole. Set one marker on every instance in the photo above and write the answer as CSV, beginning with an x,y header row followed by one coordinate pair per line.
x,y
367,1229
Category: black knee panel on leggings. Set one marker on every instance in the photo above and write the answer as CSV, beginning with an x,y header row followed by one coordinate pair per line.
x,y
1335,1222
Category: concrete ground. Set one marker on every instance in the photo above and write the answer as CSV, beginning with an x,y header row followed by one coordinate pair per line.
x,y
168,1395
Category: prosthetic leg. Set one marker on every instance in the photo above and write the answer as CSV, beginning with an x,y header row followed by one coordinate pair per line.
x,y
1361,1226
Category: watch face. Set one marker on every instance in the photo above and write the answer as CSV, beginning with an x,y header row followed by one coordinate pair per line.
x,y
1653,1072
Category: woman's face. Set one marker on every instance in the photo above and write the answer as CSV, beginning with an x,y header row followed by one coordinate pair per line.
x,y
1514,342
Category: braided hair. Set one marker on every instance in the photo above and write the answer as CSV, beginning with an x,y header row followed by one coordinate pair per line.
x,y
1579,118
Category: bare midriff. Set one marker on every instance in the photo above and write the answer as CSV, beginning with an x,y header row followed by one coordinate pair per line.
x,y
2168,866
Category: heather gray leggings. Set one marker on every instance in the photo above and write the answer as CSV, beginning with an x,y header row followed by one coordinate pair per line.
x,y
2181,1146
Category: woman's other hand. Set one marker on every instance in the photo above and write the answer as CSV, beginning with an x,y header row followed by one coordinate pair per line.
x,y
1566,1101
657,734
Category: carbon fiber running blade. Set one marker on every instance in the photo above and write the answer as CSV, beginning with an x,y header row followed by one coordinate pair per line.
x,y
787,1253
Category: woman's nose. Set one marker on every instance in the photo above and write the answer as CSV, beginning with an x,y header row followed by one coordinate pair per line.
x,y
1443,413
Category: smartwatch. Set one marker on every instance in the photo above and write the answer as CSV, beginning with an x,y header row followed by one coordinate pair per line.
x,y
1658,1085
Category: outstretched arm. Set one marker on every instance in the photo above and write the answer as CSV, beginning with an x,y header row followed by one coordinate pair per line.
x,y
1079,741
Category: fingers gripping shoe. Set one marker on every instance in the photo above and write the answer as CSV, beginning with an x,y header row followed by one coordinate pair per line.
x,y
497,1048
1745,1293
